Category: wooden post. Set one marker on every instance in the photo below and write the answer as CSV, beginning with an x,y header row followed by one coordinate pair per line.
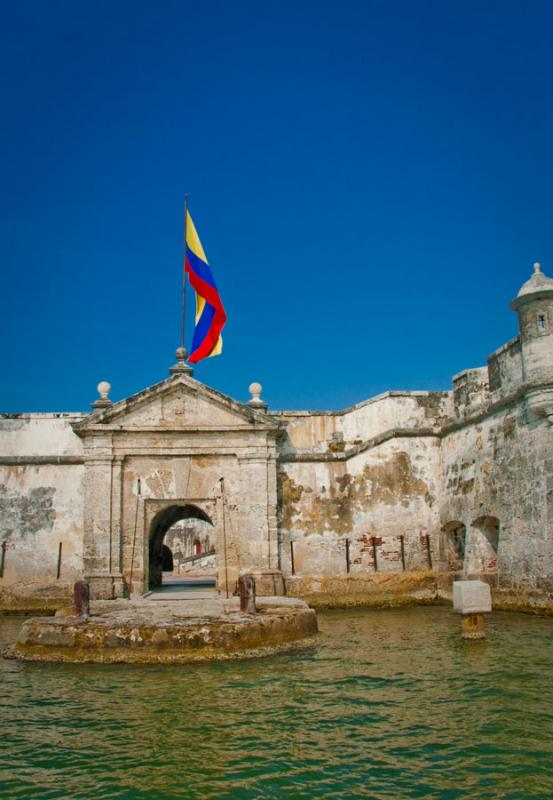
x,y
58,571
373,542
428,551
3,559
292,557
402,542
246,589
347,556
138,493
225,553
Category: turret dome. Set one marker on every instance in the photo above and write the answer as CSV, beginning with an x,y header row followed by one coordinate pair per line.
x,y
537,283
538,286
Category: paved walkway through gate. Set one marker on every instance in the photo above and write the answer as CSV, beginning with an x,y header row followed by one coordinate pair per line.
x,y
178,588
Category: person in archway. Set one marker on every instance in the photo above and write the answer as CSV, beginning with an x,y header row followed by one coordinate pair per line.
x,y
178,555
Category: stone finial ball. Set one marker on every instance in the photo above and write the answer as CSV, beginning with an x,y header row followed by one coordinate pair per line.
x,y
255,389
104,389
181,353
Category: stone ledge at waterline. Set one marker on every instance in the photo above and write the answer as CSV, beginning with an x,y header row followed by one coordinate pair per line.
x,y
378,589
32,597
526,598
424,587
168,632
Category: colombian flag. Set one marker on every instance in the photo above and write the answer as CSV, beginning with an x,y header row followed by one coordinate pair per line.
x,y
210,314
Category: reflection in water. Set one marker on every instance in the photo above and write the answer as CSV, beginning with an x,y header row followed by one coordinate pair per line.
x,y
391,704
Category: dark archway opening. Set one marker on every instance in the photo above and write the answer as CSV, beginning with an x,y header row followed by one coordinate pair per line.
x,y
166,559
161,523
455,534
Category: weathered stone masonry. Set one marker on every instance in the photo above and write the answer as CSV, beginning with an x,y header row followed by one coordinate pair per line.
x,y
407,487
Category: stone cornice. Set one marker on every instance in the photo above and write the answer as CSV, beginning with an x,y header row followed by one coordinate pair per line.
x,y
17,461
491,408
106,417
351,452
378,398
450,426
148,430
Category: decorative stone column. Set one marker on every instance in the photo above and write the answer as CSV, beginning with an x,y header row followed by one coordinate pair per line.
x,y
228,531
102,525
116,532
97,525
258,524
102,508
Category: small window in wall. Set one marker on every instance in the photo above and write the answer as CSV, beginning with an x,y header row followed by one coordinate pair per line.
x,y
542,323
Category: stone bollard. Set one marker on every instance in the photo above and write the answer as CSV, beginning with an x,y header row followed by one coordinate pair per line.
x,y
81,596
472,599
246,589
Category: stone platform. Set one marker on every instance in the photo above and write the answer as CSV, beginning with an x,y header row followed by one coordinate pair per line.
x,y
167,631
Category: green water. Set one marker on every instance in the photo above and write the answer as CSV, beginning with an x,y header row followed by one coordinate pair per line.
x,y
391,704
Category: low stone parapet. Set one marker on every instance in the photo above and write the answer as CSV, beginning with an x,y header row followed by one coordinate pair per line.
x,y
32,597
167,633
378,589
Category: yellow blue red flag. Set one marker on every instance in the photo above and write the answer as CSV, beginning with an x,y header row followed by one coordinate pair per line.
x,y
210,314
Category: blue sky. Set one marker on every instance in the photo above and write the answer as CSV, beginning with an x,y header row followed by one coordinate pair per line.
x,y
371,182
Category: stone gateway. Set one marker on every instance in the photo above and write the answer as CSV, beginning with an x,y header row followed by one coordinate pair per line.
x,y
382,502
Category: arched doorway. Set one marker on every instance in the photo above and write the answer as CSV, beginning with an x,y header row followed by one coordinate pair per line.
x,y
162,522
455,539
484,542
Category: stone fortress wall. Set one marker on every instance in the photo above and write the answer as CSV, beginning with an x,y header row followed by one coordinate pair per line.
x,y
370,471
403,490
41,505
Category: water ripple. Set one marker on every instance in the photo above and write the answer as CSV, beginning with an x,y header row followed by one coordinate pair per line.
x,y
391,704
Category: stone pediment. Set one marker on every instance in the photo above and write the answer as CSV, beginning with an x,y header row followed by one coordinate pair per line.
x,y
178,403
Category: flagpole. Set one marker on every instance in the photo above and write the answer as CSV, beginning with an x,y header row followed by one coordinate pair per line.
x,y
181,367
184,272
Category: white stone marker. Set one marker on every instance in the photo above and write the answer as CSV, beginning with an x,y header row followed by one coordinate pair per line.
x,y
472,599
